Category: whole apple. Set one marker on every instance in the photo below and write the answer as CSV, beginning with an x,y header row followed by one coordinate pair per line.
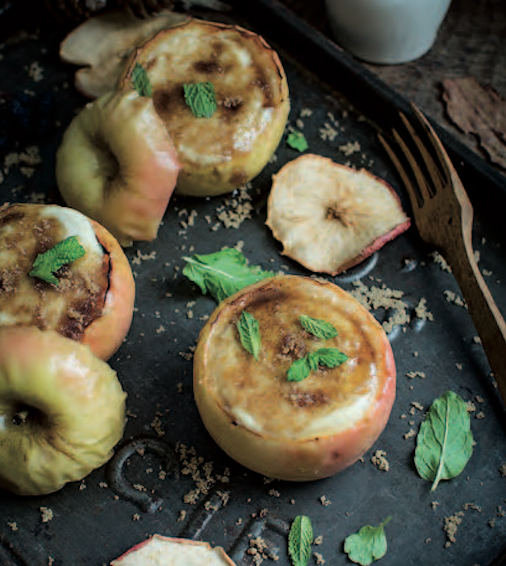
x,y
117,164
89,299
305,404
62,410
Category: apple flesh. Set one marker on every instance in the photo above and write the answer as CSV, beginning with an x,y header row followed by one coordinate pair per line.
x,y
294,430
117,164
93,299
62,410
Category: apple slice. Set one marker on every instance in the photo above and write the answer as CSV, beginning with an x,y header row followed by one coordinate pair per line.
x,y
91,299
167,551
62,410
303,406
102,44
223,150
117,164
330,217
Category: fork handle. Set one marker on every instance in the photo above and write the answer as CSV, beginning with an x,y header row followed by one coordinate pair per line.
x,y
487,318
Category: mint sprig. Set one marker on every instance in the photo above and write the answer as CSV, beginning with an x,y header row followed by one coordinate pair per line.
x,y
141,81
300,539
301,368
317,327
201,98
63,252
296,140
249,334
368,545
223,273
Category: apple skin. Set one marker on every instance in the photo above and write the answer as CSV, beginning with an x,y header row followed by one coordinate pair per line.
x,y
243,403
75,410
106,333
117,164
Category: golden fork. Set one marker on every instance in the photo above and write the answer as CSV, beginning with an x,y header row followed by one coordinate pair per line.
x,y
443,215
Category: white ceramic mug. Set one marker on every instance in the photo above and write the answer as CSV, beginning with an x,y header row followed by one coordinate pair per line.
x,y
386,31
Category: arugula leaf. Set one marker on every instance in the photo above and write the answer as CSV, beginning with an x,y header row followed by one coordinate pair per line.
x,y
141,81
222,273
330,357
201,99
63,252
319,328
296,140
300,539
249,333
445,441
368,545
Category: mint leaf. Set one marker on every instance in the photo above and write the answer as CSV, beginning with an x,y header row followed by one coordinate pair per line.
x,y
223,273
249,333
141,81
445,441
296,140
368,545
201,99
319,328
63,252
299,370
330,357
300,539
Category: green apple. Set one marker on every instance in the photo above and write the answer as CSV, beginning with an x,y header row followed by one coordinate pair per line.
x,y
117,164
62,410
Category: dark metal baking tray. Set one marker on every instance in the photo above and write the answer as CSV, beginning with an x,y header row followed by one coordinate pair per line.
x,y
96,520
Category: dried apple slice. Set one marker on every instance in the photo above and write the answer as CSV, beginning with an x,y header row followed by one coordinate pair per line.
x,y
164,551
104,43
330,217
223,150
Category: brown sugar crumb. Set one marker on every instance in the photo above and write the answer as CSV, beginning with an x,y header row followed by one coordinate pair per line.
x,y
383,298
319,558
259,551
136,517
411,432
421,310
451,525
441,261
156,425
13,526
350,148
318,540
47,514
379,460
502,470
236,209
142,257
325,501
452,297
274,493
413,374
36,72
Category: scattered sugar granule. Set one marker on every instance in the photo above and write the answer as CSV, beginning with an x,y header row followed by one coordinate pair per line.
x,y
350,148
451,525
379,460
47,514
452,297
36,72
325,501
421,310
328,132
441,261
413,374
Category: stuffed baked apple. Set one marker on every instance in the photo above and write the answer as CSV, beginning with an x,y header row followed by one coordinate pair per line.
x,y
223,95
62,271
293,378
62,410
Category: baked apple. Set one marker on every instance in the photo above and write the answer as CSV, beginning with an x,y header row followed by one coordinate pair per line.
x,y
168,551
90,299
330,217
318,392
222,93
117,164
62,410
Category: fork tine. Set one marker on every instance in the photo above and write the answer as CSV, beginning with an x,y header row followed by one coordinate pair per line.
x,y
437,146
406,179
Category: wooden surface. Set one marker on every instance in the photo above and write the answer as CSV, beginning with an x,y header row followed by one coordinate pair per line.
x,y
471,43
